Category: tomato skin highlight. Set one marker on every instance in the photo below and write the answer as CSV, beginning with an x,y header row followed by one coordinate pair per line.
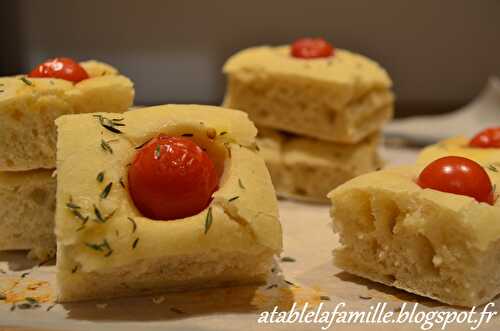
x,y
458,175
488,138
62,68
171,178
310,48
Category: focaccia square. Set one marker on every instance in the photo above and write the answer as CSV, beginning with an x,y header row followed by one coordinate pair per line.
x,y
459,146
231,242
307,169
343,98
436,244
29,106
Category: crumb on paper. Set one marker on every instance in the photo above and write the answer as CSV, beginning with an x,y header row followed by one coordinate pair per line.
x,y
158,300
16,290
285,295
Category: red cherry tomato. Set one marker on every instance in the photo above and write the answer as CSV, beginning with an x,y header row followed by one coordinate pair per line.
x,y
488,138
60,67
458,175
309,48
171,178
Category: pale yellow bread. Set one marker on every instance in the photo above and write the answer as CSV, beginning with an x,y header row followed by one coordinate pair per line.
x,y
307,169
237,248
96,68
436,244
29,107
342,98
27,201
458,146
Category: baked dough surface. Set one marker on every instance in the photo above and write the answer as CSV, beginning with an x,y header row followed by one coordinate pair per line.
x,y
238,247
343,98
436,244
27,200
307,169
29,107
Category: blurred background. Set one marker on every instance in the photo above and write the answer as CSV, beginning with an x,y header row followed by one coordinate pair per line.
x,y
439,53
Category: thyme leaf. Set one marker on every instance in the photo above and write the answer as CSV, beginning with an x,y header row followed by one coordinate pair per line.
x,y
75,210
83,224
208,220
122,184
287,259
99,217
26,81
233,198
240,183
110,124
101,247
106,146
104,194
136,241
98,214
79,215
492,168
134,224
100,176
71,205
111,128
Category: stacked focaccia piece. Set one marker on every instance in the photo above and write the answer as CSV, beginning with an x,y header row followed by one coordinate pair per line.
x,y
319,112
28,108
432,228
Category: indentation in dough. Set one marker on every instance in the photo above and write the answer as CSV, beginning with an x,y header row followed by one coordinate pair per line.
x,y
386,214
